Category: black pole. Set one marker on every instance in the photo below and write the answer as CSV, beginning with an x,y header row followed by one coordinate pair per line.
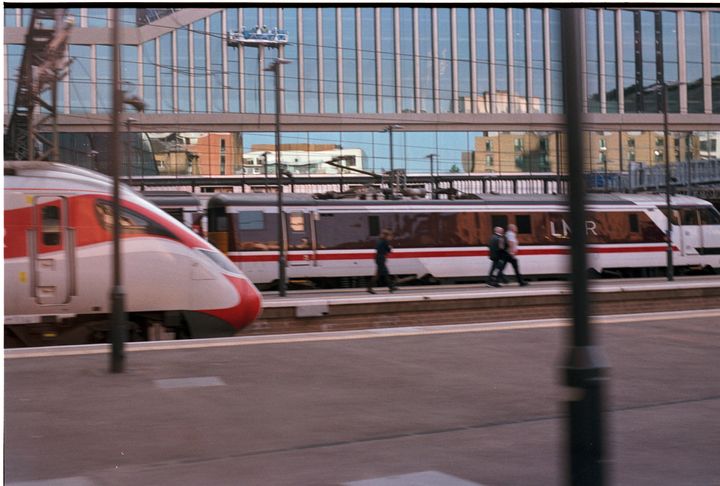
x,y
669,266
585,364
117,294
278,173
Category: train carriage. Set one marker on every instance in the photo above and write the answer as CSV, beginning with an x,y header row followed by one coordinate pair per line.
x,y
58,248
333,240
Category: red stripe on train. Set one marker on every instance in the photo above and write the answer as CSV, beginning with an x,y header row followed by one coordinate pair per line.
x,y
251,258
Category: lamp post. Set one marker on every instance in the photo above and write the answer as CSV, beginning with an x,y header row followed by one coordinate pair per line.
x,y
603,157
432,176
275,68
390,129
669,269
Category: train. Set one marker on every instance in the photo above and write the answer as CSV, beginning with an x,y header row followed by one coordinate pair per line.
x,y
58,264
331,242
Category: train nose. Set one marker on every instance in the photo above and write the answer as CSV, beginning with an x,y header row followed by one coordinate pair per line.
x,y
246,307
250,303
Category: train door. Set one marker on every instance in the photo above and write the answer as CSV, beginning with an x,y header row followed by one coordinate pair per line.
x,y
710,228
691,235
300,238
52,251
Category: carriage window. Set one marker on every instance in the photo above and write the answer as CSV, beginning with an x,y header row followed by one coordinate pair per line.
x,y
374,224
709,216
251,221
51,225
130,221
523,224
499,220
689,217
675,220
634,224
297,222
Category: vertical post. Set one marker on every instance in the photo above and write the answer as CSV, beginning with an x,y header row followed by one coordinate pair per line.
x,y
275,68
669,267
392,161
584,366
117,294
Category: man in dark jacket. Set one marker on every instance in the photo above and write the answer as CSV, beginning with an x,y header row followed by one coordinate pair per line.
x,y
498,248
382,274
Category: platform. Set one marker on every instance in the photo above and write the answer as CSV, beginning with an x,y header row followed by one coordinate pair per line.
x,y
474,404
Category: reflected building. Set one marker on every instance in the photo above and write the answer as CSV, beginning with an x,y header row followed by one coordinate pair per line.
x,y
479,87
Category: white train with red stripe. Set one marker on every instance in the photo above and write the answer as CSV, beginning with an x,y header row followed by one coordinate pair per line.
x,y
58,264
333,240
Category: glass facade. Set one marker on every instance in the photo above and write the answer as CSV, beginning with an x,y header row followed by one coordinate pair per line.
x,y
358,64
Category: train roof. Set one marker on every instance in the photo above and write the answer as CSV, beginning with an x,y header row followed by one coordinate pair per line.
x,y
292,199
171,198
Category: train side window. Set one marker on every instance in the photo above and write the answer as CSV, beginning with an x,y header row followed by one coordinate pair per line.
x,y
297,222
689,217
51,225
250,221
499,220
634,223
523,223
674,219
709,216
374,225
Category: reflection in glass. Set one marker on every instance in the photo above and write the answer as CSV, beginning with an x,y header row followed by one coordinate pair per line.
x,y
556,86
519,99
330,61
387,53
166,73
463,60
269,21
425,41
670,59
80,84
407,68
592,60
217,55
103,76
715,60
650,93
445,81
367,54
310,61
290,77
200,68
182,37
251,66
630,87
482,55
349,61
537,104
693,59
611,81
501,61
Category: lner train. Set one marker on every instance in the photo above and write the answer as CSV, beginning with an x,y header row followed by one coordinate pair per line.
x,y
58,264
440,240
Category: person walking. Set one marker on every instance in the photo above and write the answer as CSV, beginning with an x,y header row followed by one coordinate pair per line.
x,y
382,274
497,247
511,254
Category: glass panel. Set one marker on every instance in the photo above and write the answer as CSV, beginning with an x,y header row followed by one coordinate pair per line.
x,y
556,84
166,74
13,59
80,82
270,21
482,54
519,99
127,17
537,99
407,64
251,65
217,53
650,93
611,81
387,49
452,149
630,88
104,76
501,62
693,56
10,17
463,60
290,71
670,59
182,37
330,61
425,42
349,60
592,60
200,68
97,17
367,53
310,60
445,81
715,60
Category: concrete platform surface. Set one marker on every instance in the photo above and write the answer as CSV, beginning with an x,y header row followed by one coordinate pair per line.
x,y
448,406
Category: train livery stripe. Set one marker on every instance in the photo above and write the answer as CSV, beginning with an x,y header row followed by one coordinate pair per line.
x,y
400,254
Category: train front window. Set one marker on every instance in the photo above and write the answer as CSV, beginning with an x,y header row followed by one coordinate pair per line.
x,y
130,221
709,216
219,259
689,217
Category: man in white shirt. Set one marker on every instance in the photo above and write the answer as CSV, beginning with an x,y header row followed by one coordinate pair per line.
x,y
511,254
